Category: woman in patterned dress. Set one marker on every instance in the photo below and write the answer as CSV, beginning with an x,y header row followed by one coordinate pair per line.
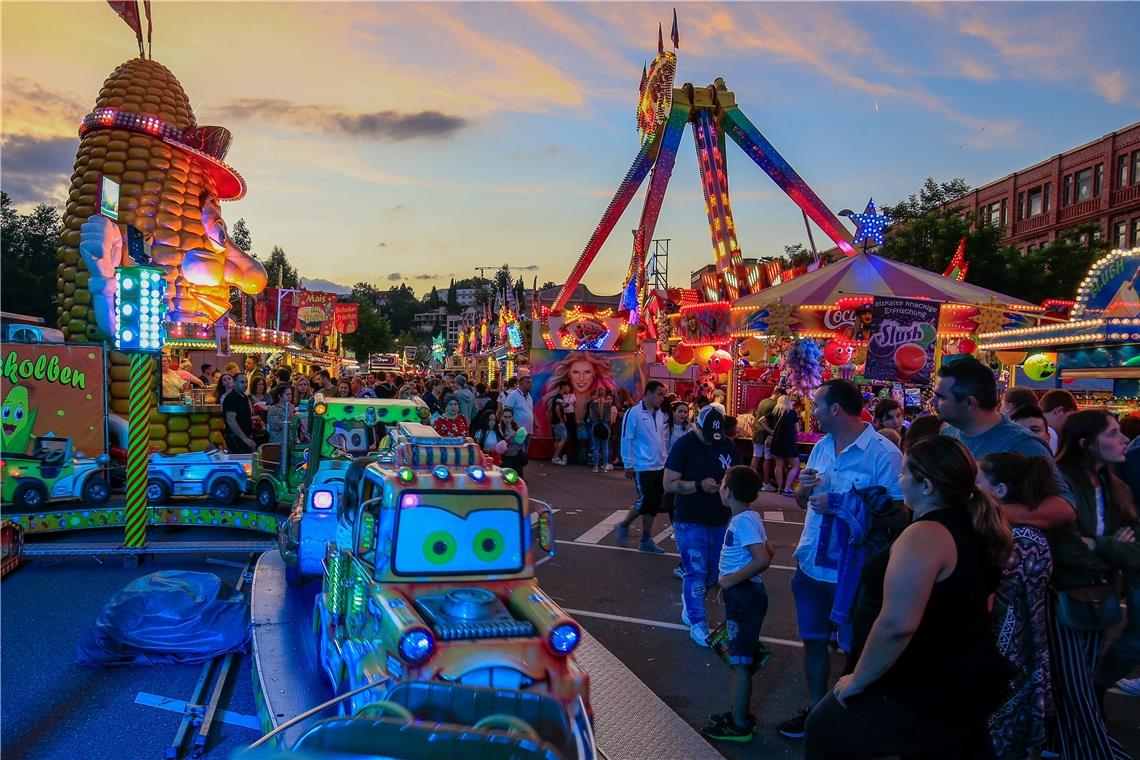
x,y
1017,728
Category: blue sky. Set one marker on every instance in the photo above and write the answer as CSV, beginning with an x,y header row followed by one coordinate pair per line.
x,y
535,106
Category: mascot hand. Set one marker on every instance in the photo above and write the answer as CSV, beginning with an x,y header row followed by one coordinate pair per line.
x,y
101,246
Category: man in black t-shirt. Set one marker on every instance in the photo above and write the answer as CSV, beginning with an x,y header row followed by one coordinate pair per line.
x,y
239,418
693,471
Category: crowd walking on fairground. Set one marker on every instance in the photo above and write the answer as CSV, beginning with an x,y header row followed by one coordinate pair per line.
x,y
972,565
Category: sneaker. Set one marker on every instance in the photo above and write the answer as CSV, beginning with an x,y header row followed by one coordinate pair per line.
x,y
560,461
685,615
621,533
793,728
699,633
768,488
609,468
1130,686
596,469
722,728
788,492
649,546
678,573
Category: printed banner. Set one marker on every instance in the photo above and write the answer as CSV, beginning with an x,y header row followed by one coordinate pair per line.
x,y
315,312
288,303
346,316
622,372
52,389
902,340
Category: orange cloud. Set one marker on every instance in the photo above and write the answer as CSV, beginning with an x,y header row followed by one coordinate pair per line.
x,y
1111,86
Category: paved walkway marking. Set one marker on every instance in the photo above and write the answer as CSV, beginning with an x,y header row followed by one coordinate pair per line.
x,y
621,701
179,706
663,624
567,542
602,529
667,533
771,516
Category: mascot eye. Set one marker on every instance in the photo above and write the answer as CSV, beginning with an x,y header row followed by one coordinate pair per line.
x,y
6,412
440,547
489,544
19,413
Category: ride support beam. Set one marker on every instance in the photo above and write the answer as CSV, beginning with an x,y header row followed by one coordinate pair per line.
x,y
141,402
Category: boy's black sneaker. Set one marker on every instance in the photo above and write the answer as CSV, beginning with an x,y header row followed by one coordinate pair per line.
x,y
723,729
793,728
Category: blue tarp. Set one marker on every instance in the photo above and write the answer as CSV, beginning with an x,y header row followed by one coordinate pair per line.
x,y
168,617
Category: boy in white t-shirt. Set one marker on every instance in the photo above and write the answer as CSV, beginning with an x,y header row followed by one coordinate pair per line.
x,y
745,555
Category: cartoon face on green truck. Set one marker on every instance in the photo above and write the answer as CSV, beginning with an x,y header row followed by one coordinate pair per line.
x,y
458,533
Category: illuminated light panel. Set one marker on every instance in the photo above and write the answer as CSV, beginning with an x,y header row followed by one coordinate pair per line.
x,y
870,225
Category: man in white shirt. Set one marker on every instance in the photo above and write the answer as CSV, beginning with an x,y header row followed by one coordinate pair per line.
x,y
850,455
520,402
644,437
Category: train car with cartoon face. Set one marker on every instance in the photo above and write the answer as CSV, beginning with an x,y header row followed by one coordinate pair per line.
x,y
431,580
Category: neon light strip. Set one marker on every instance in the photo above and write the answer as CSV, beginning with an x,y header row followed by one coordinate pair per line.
x,y
762,152
625,192
714,182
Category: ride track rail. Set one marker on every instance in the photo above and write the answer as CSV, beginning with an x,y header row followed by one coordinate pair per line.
x,y
200,715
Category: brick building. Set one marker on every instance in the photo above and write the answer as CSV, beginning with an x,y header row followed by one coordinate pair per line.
x,y
1097,182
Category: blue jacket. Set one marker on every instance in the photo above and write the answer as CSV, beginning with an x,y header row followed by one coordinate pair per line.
x,y
850,519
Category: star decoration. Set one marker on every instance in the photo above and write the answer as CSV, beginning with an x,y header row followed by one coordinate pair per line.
x,y
870,225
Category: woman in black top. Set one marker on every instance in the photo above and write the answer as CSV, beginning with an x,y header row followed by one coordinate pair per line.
x,y
927,672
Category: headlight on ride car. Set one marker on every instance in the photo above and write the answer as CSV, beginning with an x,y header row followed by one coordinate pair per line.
x,y
323,499
416,646
564,637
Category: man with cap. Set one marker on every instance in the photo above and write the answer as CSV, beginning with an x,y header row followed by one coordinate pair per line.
x,y
694,471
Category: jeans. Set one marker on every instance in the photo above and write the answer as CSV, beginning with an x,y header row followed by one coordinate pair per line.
x,y
601,451
1124,653
700,547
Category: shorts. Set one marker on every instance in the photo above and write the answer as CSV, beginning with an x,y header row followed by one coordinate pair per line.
x,y
814,600
760,451
559,431
745,606
650,491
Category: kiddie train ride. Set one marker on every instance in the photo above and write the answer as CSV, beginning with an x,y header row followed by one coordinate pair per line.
x,y
429,624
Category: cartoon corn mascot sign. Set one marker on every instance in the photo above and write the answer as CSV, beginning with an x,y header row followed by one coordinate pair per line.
x,y
172,176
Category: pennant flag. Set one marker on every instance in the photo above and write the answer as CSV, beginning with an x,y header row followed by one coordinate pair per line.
x,y
150,28
128,11
675,35
644,76
660,37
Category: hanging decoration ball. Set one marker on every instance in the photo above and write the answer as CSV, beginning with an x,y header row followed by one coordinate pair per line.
x,y
1040,366
1011,358
838,352
753,350
967,346
702,354
675,367
720,362
683,354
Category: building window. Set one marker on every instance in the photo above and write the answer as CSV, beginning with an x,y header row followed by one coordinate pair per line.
x,y
1004,217
1120,235
1136,167
1083,185
1048,197
1121,171
1136,231
1098,179
1036,202
993,214
1067,192
1020,206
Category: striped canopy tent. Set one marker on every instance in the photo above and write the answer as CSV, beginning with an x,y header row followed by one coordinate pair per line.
x,y
866,274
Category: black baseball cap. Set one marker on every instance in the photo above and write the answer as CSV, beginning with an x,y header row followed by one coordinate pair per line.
x,y
711,422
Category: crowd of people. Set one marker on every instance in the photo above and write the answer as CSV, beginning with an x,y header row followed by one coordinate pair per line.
x,y
970,563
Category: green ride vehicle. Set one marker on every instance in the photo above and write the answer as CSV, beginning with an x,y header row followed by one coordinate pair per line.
x,y
278,468
52,473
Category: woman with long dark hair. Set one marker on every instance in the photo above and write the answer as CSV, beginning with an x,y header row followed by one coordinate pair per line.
x,y
1017,728
926,673
1089,558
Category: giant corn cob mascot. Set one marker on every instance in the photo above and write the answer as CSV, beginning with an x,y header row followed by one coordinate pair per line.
x,y
143,135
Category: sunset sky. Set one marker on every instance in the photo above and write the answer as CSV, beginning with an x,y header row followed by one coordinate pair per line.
x,y
399,142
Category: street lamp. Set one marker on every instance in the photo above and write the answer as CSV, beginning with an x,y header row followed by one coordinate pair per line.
x,y
140,332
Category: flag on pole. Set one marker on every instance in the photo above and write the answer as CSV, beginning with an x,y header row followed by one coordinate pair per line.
x,y
675,35
660,37
644,76
128,11
150,29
